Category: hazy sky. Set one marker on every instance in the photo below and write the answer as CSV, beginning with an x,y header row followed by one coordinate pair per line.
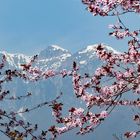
x,y
28,26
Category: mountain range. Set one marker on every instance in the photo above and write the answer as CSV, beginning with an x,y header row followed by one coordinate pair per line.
x,y
56,58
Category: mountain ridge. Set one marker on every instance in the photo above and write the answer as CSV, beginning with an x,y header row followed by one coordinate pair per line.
x,y
55,54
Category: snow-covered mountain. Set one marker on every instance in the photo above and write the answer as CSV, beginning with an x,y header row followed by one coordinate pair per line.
x,y
14,60
54,57
57,58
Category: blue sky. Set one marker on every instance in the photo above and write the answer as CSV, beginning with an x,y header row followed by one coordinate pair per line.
x,y
28,26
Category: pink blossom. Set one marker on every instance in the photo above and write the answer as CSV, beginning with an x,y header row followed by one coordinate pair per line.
x,y
103,114
130,134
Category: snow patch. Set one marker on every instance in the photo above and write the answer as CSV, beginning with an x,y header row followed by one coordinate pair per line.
x,y
89,49
55,47
82,62
92,48
21,114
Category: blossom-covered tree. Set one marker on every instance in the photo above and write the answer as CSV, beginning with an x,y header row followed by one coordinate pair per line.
x,y
120,71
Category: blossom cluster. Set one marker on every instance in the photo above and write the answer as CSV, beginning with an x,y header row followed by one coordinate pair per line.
x,y
106,7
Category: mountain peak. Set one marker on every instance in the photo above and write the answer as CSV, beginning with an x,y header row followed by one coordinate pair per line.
x,y
56,47
92,49
52,51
